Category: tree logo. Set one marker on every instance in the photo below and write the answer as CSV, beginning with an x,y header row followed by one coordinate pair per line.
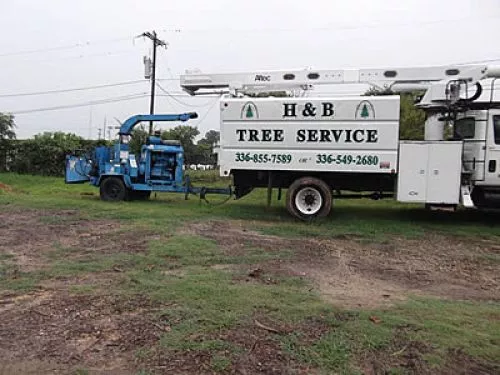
x,y
249,111
365,111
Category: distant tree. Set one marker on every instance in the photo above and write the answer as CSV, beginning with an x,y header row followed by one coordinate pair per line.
x,y
212,137
205,147
45,154
204,154
411,118
186,135
139,138
7,126
7,135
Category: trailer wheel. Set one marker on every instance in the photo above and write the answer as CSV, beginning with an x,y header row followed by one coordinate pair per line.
x,y
113,189
309,197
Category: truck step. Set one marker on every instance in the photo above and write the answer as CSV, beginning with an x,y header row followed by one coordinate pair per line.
x,y
465,197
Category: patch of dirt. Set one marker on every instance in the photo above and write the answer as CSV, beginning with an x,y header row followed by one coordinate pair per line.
x,y
5,187
401,353
52,331
459,363
101,332
29,236
235,238
254,350
408,355
350,272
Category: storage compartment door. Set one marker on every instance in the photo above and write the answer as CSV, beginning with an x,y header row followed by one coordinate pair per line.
x,y
412,175
445,167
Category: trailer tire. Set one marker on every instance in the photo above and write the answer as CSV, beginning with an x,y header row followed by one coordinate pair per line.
x,y
113,189
308,198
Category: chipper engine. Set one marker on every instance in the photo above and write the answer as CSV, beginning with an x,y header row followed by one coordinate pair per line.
x,y
121,175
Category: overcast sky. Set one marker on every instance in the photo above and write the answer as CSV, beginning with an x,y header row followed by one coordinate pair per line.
x,y
60,44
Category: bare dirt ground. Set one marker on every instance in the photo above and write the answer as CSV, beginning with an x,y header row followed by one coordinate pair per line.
x,y
52,330
349,272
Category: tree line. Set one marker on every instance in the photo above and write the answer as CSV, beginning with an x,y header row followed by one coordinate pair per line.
x,y
45,153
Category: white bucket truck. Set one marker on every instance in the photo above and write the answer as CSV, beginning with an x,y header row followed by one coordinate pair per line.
x,y
319,147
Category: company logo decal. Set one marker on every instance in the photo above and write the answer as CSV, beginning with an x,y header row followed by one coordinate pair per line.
x,y
249,111
365,111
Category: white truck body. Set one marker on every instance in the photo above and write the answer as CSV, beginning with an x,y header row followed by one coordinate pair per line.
x,y
356,134
314,145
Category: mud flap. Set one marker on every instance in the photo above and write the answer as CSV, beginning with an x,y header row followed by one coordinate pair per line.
x,y
465,197
77,169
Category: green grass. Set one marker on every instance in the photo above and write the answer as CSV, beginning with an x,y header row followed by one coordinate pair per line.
x,y
362,218
203,300
82,289
13,278
471,326
219,363
443,325
331,352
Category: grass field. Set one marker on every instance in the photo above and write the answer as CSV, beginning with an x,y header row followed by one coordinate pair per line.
x,y
178,287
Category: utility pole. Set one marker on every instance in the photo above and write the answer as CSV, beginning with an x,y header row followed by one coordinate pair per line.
x,y
156,42
90,122
104,128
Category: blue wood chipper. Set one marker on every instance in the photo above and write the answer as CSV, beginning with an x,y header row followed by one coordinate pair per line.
x,y
121,175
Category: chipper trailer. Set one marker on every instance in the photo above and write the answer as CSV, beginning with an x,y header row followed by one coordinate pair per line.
x,y
121,175
321,147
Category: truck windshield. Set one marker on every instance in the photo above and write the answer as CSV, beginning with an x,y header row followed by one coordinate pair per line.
x,y
496,128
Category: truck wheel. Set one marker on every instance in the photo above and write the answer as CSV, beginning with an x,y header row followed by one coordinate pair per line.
x,y
113,189
309,197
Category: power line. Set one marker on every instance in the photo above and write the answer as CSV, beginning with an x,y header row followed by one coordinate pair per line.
x,y
479,61
206,113
324,28
64,47
88,43
184,103
85,104
58,91
82,56
95,102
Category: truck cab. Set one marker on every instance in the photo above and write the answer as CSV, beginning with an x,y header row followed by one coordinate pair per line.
x,y
479,130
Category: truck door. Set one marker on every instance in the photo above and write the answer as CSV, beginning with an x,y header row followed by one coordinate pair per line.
x,y
471,129
492,168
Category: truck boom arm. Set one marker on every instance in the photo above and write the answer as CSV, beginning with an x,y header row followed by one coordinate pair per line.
x,y
434,80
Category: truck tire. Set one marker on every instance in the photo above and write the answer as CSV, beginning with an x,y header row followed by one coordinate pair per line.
x,y
113,189
308,198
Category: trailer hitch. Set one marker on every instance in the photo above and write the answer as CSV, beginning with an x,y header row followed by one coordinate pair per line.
x,y
203,191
